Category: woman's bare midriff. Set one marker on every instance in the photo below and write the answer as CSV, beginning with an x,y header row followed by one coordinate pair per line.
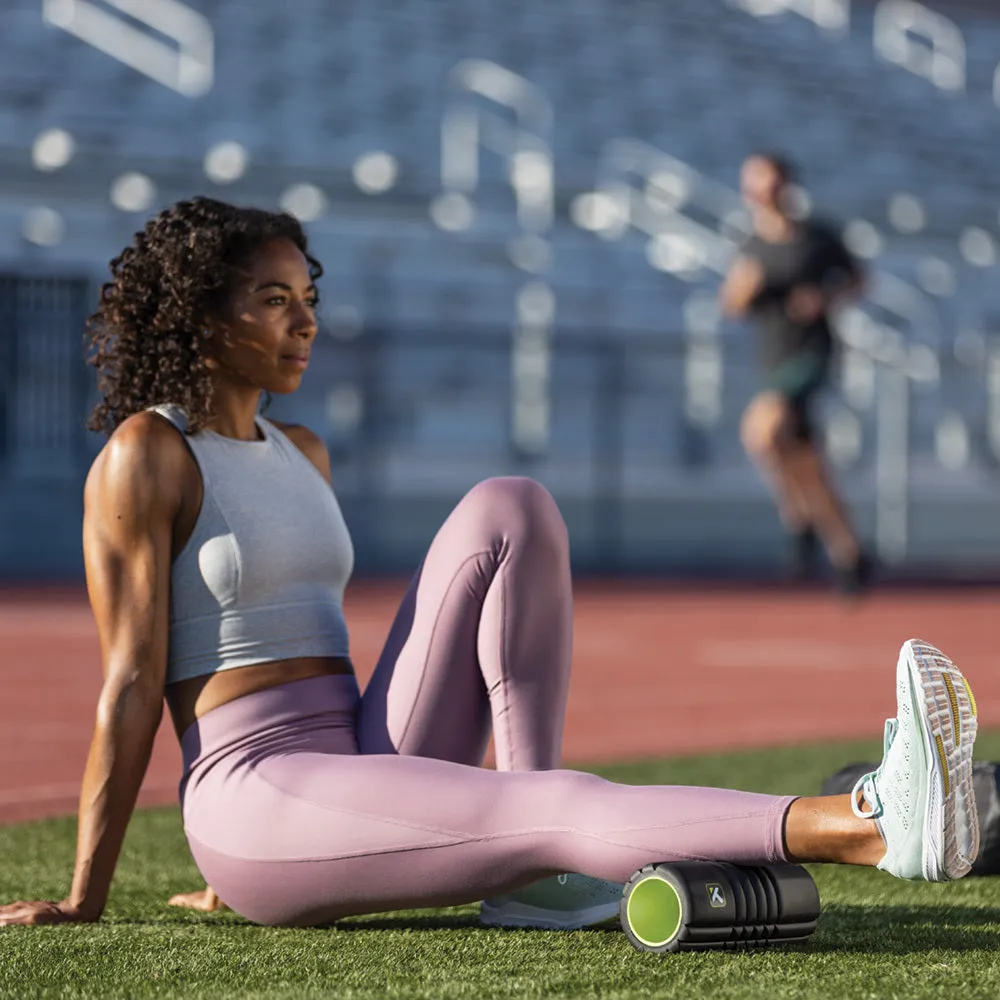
x,y
189,700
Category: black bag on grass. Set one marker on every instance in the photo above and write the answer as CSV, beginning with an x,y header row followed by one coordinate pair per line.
x,y
986,778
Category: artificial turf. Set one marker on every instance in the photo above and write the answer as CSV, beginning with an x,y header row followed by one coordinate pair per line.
x,y
879,937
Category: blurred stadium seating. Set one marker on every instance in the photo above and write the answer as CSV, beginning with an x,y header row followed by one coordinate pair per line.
x,y
546,304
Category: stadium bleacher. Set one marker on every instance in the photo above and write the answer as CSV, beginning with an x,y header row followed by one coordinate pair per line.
x,y
704,81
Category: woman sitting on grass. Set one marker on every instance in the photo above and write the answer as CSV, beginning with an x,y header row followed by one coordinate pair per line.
x,y
216,559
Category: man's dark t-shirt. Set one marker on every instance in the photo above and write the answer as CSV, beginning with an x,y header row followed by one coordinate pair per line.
x,y
815,256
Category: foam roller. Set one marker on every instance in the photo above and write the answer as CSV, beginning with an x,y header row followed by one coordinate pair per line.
x,y
698,906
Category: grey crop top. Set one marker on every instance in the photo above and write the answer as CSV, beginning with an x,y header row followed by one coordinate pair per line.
x,y
262,576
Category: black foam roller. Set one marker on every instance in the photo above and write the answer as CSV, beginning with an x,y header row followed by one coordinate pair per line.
x,y
696,906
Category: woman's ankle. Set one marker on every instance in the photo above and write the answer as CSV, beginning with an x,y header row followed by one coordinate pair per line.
x,y
826,830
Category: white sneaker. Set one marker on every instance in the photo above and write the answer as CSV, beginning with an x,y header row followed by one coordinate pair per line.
x,y
922,796
560,903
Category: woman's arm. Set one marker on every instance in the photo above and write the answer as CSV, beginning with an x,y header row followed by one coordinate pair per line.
x,y
131,500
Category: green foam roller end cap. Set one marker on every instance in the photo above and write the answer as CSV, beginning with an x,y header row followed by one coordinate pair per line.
x,y
654,911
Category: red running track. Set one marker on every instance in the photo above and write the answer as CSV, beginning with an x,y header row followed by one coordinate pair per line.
x,y
657,670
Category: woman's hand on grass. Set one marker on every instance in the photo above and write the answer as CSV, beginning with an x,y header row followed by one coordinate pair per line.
x,y
42,911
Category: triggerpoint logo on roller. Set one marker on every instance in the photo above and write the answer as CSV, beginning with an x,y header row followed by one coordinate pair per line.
x,y
716,897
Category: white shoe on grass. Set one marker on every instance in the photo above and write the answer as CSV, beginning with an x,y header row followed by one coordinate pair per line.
x,y
560,903
921,796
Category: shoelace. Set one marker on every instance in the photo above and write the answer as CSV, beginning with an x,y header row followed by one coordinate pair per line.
x,y
867,784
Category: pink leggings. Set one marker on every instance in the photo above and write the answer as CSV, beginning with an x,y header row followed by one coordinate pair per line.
x,y
308,802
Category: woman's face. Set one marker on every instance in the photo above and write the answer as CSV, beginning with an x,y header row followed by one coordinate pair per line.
x,y
264,336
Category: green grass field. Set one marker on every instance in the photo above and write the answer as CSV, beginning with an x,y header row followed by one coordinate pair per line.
x,y
879,937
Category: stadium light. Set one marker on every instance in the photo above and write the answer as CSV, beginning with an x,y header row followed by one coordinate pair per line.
x,y
376,172
452,212
132,192
226,162
43,226
978,247
906,213
305,201
52,149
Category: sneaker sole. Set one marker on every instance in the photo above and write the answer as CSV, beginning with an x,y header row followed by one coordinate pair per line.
x,y
947,713
519,915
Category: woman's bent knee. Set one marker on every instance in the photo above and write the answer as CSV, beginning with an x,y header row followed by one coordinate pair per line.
x,y
521,508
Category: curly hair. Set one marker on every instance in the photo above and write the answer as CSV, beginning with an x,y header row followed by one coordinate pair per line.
x,y
147,338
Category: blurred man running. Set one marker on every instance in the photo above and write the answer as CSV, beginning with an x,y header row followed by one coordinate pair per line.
x,y
788,277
